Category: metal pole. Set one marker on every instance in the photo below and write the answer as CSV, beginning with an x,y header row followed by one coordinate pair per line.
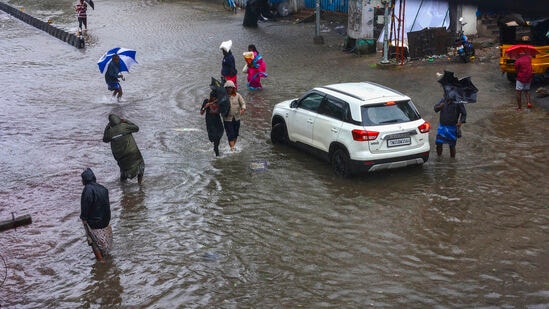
x,y
317,18
318,39
386,33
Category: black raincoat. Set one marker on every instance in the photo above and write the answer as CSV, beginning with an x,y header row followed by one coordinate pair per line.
x,y
95,207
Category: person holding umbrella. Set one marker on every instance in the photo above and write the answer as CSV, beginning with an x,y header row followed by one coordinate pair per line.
x,y
523,67
81,9
112,63
452,110
112,75
452,116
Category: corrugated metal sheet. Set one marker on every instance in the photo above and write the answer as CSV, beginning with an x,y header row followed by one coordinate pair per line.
x,y
329,5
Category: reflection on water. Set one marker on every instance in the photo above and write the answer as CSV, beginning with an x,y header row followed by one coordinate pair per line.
x,y
219,232
104,288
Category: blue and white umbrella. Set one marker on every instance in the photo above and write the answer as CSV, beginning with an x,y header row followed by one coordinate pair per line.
x,y
127,59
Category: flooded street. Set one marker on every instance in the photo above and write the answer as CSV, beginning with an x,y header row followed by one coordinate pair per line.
x,y
207,232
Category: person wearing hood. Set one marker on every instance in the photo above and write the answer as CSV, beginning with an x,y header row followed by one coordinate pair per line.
x,y
124,149
95,211
228,67
214,124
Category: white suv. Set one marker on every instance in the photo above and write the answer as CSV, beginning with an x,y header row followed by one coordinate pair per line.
x,y
360,126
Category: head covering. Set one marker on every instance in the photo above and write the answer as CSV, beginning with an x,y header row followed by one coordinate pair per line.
x,y
88,176
114,120
226,45
229,83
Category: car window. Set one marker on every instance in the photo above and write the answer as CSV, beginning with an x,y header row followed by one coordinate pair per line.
x,y
311,101
333,108
389,113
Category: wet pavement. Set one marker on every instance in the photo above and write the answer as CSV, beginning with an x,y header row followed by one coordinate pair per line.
x,y
206,232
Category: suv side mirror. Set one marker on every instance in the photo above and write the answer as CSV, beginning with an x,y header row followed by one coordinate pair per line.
x,y
293,104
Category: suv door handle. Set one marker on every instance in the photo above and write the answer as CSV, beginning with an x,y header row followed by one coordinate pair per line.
x,y
334,130
309,121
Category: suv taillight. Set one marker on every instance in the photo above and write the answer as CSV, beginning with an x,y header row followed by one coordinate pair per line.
x,y
425,127
363,135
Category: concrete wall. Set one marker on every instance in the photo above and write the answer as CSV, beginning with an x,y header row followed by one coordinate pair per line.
x,y
469,14
44,26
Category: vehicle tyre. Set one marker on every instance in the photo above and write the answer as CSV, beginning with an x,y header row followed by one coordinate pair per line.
x,y
279,133
511,77
341,163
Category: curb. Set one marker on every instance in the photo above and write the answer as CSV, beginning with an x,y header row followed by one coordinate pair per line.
x,y
63,35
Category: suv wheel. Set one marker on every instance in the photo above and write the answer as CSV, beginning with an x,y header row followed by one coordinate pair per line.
x,y
279,133
341,163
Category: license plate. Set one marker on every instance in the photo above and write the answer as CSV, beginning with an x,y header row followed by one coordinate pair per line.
x,y
399,142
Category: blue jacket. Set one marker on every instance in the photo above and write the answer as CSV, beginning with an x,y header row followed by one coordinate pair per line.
x,y
111,76
228,67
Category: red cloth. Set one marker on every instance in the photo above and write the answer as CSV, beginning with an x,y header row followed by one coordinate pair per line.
x,y
233,79
523,67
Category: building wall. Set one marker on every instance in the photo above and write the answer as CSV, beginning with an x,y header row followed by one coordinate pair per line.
x,y
469,14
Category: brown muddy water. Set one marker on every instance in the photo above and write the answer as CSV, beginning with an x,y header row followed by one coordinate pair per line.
x,y
206,232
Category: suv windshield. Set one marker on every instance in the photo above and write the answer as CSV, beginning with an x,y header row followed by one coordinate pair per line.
x,y
389,113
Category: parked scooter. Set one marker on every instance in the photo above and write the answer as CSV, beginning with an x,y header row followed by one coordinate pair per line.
x,y
464,48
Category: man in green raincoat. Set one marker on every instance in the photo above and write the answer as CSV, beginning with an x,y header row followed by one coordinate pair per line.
x,y
119,133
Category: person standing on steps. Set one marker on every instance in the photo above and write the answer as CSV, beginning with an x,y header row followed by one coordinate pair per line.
x,y
81,12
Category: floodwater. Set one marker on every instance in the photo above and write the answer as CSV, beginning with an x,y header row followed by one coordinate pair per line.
x,y
206,232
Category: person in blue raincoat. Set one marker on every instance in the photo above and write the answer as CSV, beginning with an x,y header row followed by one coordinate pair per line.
x,y
112,75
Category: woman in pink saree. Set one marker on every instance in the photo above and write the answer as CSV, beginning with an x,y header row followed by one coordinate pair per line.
x,y
256,69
